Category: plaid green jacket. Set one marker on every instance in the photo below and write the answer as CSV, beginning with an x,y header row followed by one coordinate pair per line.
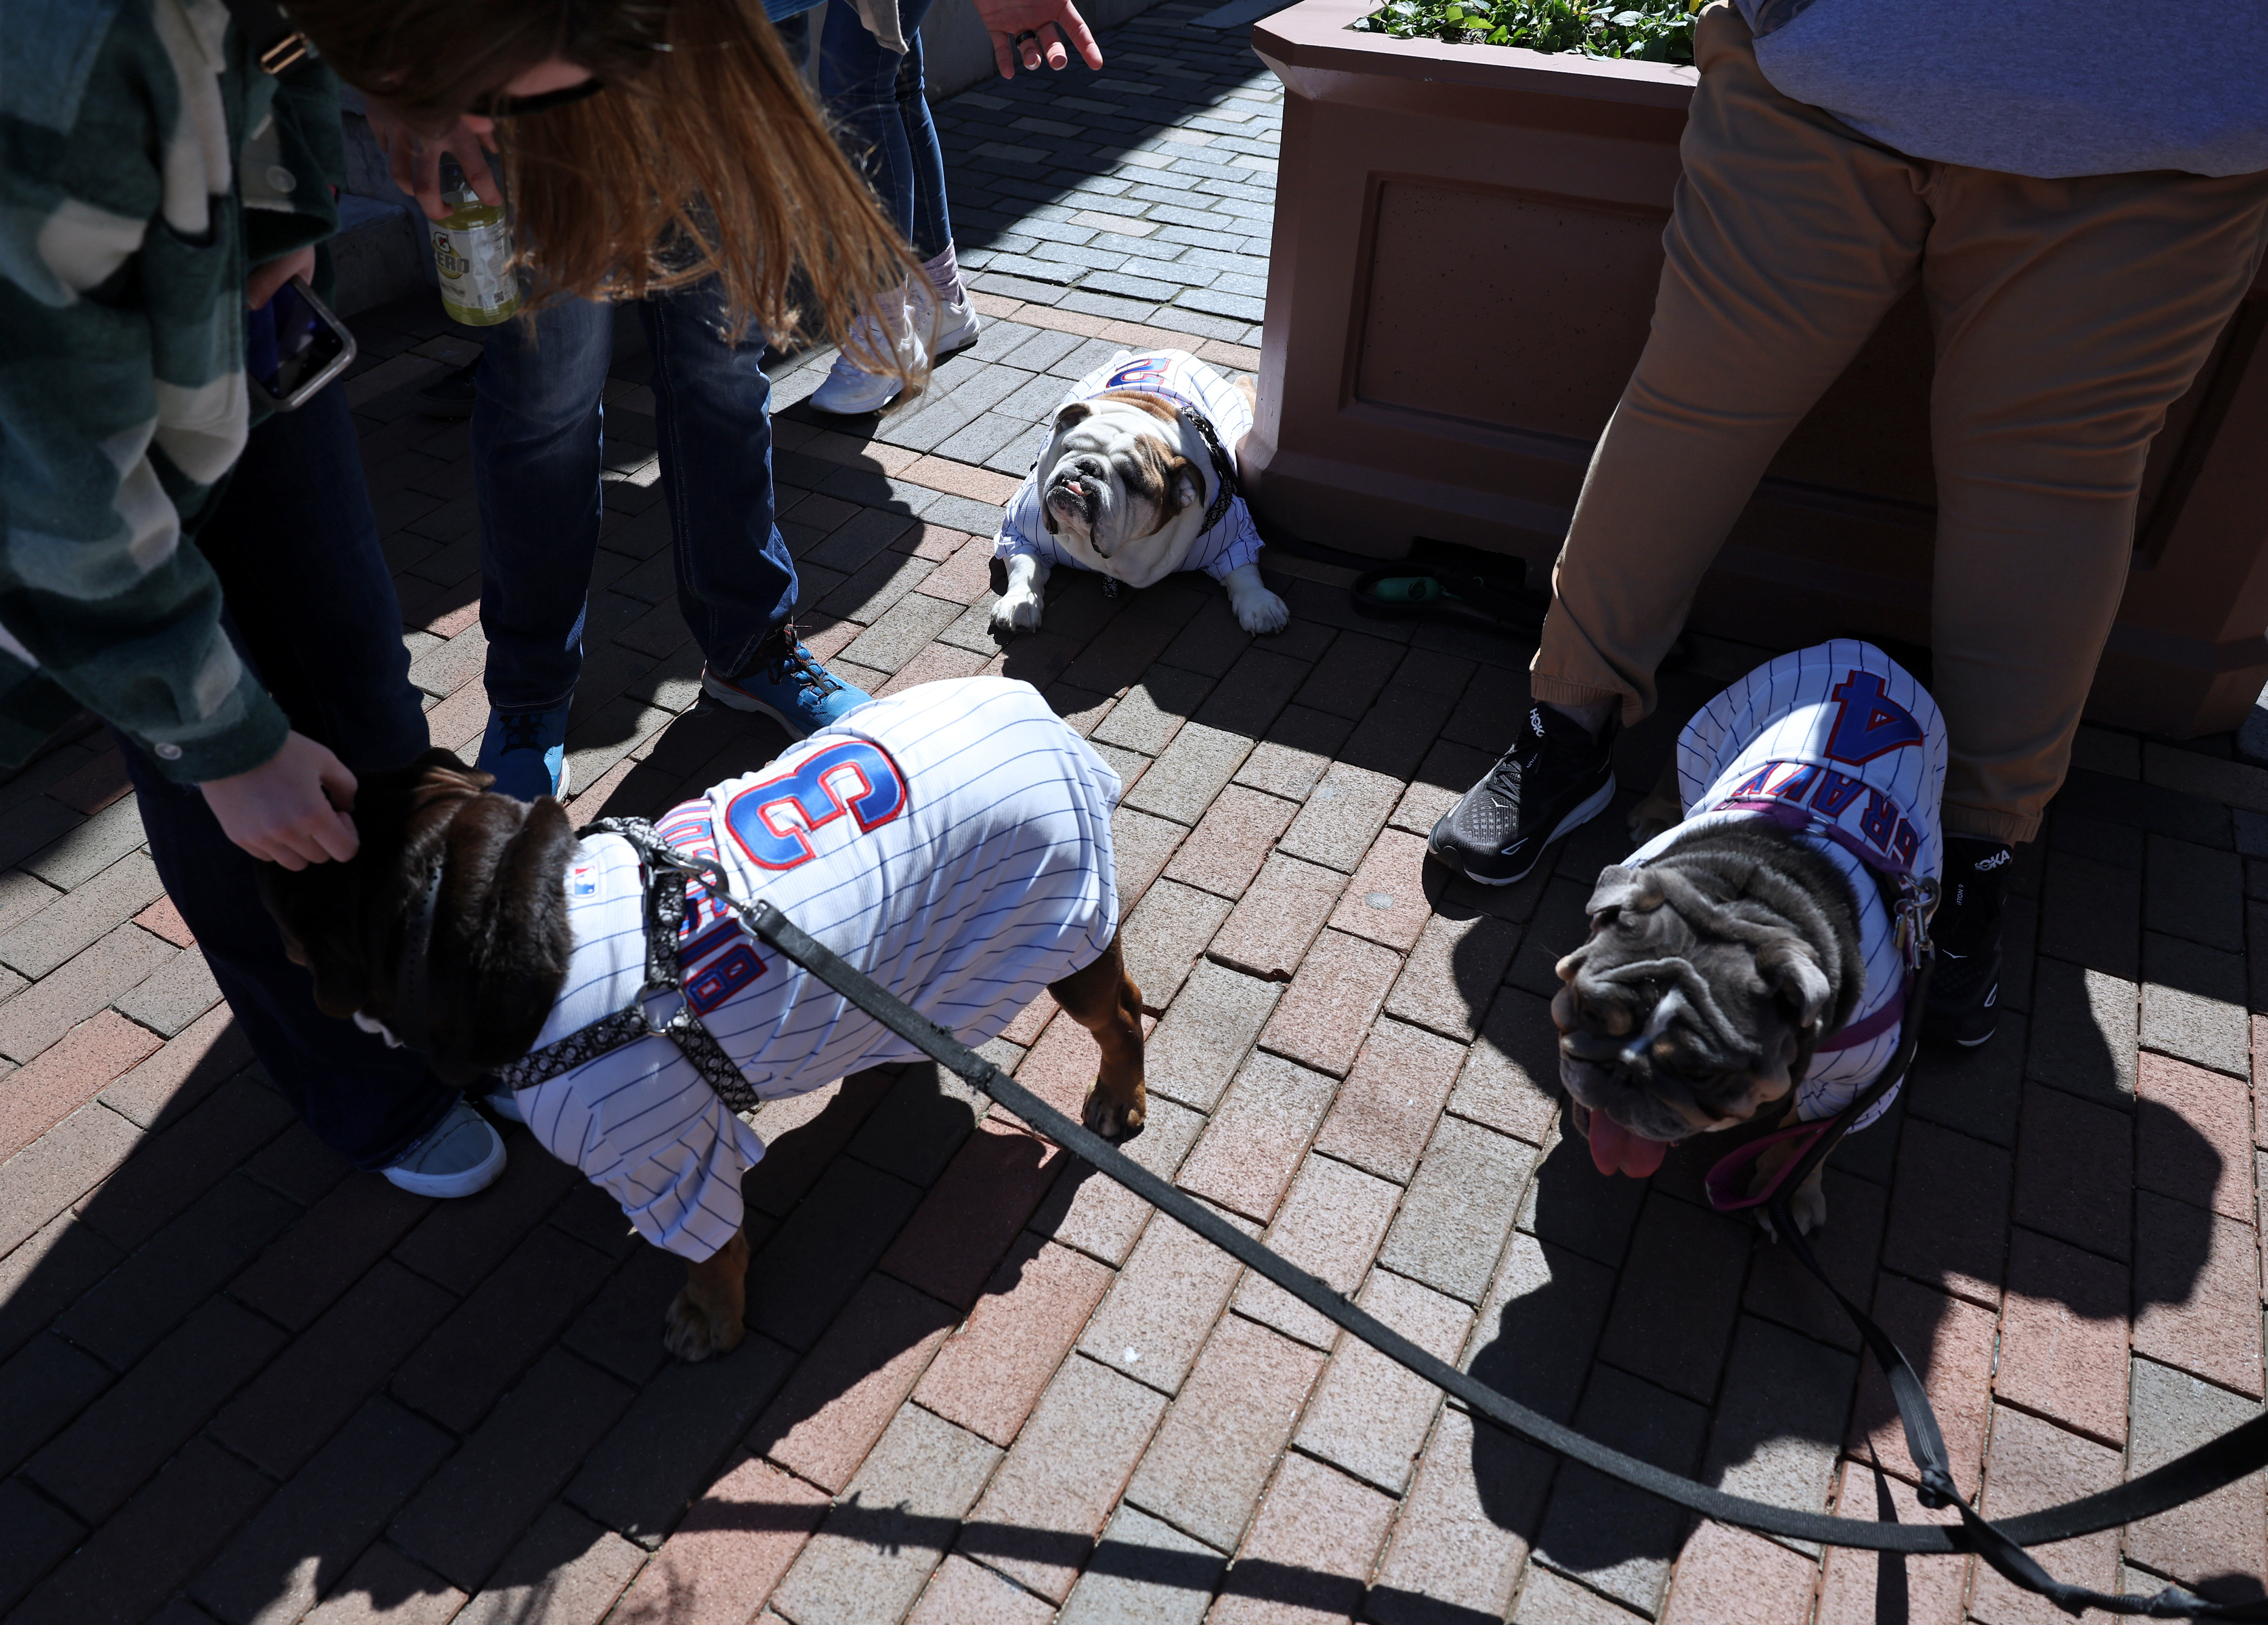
x,y
145,163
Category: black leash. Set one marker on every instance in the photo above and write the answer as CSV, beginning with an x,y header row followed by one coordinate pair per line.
x,y
2223,1462
1925,1439
2210,1467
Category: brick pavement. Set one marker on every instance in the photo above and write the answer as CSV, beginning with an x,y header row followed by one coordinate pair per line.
x,y
239,1383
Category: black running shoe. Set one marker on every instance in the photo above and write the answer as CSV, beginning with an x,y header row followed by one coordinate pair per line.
x,y
452,394
1964,993
1555,777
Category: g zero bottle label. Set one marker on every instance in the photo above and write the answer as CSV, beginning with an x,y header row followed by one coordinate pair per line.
x,y
472,250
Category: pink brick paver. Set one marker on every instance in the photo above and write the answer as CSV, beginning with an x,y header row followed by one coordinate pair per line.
x,y
2032,1464
1052,1496
989,1375
240,1381
1316,1526
1328,1010
730,1552
2063,1335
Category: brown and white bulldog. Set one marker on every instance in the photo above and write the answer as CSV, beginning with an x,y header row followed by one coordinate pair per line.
x,y
1128,487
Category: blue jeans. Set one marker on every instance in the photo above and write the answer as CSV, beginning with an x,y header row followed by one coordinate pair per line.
x,y
877,96
536,465
313,611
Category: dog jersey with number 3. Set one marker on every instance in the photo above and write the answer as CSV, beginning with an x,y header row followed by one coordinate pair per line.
x,y
1838,734
1180,379
952,842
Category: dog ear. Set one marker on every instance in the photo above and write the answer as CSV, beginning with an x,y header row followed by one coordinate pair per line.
x,y
501,940
529,938
1072,415
1188,490
1791,974
318,911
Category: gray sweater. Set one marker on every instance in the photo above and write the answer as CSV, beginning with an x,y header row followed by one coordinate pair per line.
x,y
2047,88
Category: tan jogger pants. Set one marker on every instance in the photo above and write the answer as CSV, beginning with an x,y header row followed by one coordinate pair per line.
x,y
2068,315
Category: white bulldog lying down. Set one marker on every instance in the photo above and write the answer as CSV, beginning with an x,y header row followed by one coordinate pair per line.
x,y
1129,486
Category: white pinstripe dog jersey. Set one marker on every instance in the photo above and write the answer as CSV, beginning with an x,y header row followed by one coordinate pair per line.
x,y
1841,733
1181,378
953,842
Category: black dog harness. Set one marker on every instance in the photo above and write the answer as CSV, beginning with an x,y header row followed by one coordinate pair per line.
x,y
667,871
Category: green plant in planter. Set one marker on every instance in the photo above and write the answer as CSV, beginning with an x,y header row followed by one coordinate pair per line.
x,y
1654,31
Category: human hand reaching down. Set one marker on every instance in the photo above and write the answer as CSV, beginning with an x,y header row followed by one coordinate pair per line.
x,y
1030,32
291,809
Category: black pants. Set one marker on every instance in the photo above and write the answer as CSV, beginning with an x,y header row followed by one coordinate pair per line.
x,y
313,611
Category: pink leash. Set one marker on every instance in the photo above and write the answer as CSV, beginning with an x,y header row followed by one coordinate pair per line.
x,y
1723,1180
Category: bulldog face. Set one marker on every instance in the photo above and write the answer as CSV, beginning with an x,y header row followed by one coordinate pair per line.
x,y
1681,1014
1114,471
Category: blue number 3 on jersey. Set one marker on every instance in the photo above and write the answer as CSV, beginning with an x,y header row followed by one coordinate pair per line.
x,y
772,819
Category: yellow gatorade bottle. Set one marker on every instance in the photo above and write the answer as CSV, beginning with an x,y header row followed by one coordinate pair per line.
x,y
472,249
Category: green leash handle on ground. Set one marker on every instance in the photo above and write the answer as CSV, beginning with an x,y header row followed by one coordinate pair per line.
x,y
2204,1470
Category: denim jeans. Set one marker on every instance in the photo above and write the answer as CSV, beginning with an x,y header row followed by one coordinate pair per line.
x,y
313,611
878,97
536,465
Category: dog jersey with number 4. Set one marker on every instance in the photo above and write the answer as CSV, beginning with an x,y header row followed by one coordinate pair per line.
x,y
1838,735
952,842
1180,379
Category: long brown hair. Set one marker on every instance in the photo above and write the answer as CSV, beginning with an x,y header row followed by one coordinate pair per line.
x,y
703,156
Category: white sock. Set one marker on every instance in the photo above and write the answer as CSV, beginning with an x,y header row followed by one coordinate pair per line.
x,y
945,276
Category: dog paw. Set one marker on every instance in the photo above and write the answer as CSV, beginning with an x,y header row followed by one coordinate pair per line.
x,y
1657,812
1016,612
694,1331
1116,1120
1261,613
1809,1206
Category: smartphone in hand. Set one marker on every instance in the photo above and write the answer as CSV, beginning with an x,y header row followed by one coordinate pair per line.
x,y
293,346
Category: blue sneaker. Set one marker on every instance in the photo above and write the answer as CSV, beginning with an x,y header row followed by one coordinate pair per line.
x,y
788,686
527,751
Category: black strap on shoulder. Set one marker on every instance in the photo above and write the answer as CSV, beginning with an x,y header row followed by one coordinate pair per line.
x,y
278,46
2241,1451
665,911
1226,489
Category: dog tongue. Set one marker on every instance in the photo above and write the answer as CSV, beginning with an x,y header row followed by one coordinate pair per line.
x,y
1615,1150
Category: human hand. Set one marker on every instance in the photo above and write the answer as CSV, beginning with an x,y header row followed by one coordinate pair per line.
x,y
1053,22
287,810
260,286
416,162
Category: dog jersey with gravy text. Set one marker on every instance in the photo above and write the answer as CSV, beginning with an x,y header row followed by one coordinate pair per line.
x,y
1838,734
1180,377
952,842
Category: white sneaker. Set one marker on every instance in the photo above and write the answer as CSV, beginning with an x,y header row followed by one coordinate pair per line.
x,y
957,326
462,1154
849,390
504,1105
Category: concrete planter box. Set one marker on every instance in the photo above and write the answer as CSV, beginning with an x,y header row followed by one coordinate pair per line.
x,y
1466,243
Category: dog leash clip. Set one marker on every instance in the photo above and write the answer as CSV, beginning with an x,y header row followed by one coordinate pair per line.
x,y
1917,903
